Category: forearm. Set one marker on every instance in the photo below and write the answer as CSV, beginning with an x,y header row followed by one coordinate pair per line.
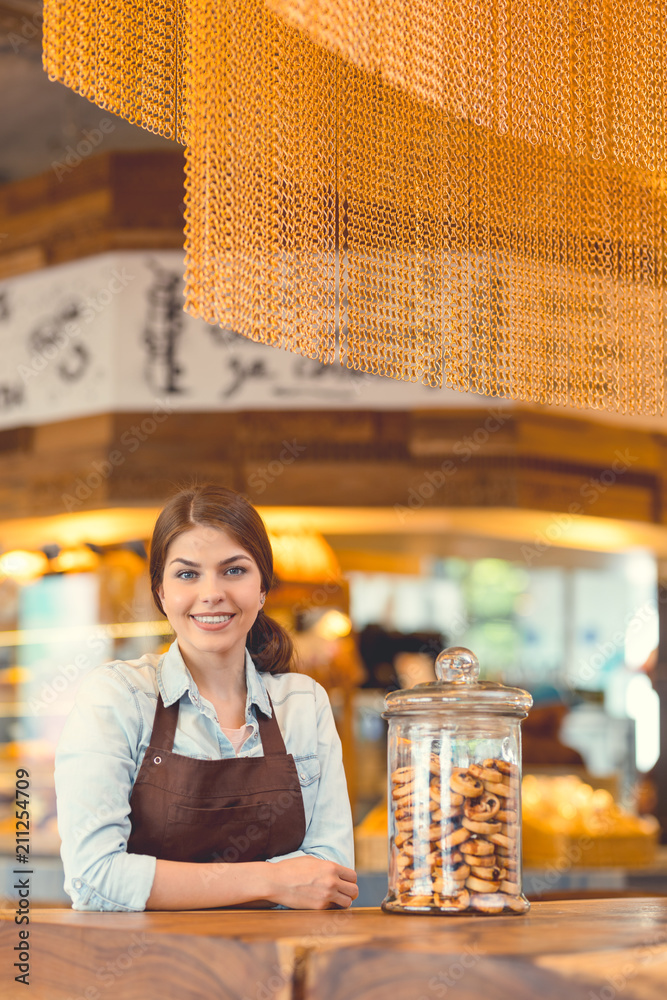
x,y
329,832
181,885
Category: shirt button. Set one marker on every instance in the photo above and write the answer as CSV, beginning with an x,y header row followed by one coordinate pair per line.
x,y
77,883
302,775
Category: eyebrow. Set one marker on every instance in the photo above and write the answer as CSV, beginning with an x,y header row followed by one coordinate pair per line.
x,y
195,565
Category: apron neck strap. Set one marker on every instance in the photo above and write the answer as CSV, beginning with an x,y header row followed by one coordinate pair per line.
x,y
164,727
166,720
269,730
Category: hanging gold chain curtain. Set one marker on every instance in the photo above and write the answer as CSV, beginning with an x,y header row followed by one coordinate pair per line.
x,y
463,193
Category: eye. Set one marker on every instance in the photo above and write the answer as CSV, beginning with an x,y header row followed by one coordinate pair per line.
x,y
186,574
237,570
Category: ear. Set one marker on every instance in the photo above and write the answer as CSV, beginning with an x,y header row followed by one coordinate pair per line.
x,y
160,593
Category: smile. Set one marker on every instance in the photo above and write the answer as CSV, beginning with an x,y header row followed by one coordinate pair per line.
x,y
212,619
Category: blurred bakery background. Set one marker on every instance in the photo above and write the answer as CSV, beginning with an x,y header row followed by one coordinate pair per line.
x,y
404,519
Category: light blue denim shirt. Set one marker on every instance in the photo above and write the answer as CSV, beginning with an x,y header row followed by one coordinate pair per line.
x,y
103,744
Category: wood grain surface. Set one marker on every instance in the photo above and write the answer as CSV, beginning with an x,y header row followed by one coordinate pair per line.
x,y
574,950
585,950
361,458
111,201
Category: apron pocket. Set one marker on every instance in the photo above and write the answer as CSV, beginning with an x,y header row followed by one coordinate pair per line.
x,y
228,833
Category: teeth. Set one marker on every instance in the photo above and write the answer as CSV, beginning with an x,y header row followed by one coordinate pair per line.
x,y
212,619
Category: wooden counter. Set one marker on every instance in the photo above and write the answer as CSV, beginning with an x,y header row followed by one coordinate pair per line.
x,y
582,950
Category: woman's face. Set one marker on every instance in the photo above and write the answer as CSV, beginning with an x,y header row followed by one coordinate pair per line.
x,y
211,593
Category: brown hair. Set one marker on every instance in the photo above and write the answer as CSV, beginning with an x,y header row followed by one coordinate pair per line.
x,y
218,507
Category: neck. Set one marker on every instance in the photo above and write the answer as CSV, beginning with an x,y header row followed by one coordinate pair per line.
x,y
217,679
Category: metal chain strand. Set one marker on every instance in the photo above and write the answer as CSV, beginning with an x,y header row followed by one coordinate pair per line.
x,y
456,192
123,56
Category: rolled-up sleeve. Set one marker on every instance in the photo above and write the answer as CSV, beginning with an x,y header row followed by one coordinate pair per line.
x,y
94,773
329,833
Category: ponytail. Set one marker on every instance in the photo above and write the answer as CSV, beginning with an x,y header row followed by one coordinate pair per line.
x,y
270,646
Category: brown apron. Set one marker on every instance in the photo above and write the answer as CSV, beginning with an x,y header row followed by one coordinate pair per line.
x,y
236,809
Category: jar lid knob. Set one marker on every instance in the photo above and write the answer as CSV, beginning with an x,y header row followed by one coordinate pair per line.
x,y
457,665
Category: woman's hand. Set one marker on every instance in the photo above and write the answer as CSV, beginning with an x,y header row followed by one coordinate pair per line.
x,y
311,884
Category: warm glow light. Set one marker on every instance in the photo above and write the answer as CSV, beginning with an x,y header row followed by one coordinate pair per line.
x,y
104,527
77,560
641,636
23,566
643,705
333,625
303,556
539,530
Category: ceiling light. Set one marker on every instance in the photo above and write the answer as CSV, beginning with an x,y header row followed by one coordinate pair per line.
x,y
23,566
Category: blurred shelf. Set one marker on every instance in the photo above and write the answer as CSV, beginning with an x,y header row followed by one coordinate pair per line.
x,y
538,882
21,710
113,630
46,882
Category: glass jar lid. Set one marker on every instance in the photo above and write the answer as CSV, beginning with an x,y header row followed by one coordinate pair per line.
x,y
458,689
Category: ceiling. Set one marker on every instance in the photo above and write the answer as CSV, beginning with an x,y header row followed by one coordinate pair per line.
x,y
40,119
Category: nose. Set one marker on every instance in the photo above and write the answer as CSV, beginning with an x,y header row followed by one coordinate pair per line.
x,y
211,589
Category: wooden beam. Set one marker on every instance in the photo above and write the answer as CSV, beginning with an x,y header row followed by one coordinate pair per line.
x,y
333,458
99,203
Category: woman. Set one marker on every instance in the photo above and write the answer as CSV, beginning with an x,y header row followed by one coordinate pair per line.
x,y
212,775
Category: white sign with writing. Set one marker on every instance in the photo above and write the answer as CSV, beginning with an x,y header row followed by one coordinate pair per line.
x,y
109,333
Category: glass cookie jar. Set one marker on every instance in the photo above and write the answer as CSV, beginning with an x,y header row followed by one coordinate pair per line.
x,y
454,758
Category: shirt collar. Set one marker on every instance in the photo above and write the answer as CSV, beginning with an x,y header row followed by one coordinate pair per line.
x,y
173,677
174,680
257,694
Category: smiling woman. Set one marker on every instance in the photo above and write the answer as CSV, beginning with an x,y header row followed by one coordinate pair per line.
x,y
211,592
212,775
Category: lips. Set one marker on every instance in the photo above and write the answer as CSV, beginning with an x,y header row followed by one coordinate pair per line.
x,y
212,623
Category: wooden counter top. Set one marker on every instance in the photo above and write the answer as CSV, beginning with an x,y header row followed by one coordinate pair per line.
x,y
582,950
